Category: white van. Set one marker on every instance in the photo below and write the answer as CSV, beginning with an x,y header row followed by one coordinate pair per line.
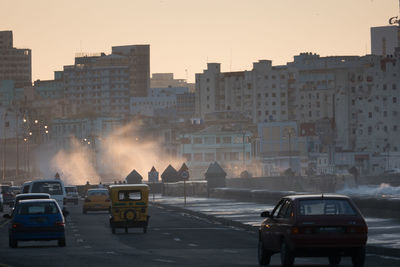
x,y
53,187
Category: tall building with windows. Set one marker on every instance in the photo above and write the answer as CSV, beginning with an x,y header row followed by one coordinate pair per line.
x,y
15,63
103,84
384,40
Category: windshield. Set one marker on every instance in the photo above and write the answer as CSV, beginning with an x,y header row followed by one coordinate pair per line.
x,y
97,193
71,189
325,207
52,188
38,208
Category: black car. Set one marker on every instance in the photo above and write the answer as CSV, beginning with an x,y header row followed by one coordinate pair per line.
x,y
313,226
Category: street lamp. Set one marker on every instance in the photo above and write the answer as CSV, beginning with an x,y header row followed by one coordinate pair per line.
x,y
289,132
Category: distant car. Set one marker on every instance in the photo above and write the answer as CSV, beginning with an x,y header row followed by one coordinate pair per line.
x,y
54,187
8,195
27,196
25,187
313,226
72,194
96,200
392,172
35,220
1,203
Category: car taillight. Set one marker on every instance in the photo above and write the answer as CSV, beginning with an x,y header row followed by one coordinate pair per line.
x,y
87,200
295,230
16,225
60,223
107,200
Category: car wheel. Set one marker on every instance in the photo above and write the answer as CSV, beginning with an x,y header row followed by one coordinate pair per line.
x,y
84,211
144,229
126,229
12,242
334,260
112,229
287,257
61,242
358,257
264,257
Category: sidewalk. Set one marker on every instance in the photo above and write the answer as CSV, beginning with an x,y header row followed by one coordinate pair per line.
x,y
383,234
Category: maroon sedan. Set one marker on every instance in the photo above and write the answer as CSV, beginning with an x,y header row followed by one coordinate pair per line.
x,y
313,226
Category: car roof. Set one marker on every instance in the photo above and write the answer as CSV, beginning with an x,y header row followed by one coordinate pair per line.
x,y
37,200
97,189
47,180
129,186
32,194
317,196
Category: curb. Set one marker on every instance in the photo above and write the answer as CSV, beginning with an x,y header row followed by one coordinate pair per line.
x,y
370,249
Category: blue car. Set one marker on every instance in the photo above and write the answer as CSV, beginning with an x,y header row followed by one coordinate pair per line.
x,y
37,220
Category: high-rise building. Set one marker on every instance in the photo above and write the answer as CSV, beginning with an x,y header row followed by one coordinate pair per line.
x,y
15,64
138,67
103,84
384,40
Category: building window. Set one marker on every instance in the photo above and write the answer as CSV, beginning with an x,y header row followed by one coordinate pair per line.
x,y
369,114
187,156
197,140
394,99
209,157
198,156
227,140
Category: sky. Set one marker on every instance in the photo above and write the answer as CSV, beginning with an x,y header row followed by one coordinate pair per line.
x,y
186,34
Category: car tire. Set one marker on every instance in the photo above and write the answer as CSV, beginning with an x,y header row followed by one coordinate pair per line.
x,y
61,242
144,229
84,211
113,230
287,256
334,260
264,257
358,257
12,242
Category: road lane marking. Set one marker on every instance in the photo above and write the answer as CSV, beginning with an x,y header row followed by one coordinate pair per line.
x,y
177,239
192,245
79,240
166,234
87,246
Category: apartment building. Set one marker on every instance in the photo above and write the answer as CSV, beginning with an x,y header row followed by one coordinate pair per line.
x,y
15,63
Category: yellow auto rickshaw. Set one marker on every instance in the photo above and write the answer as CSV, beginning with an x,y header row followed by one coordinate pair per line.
x,y
129,206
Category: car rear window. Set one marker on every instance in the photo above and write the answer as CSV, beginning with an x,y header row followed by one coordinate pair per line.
x,y
69,189
97,193
52,188
129,195
312,207
38,208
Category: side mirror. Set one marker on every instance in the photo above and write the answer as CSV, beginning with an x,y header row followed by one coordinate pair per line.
x,y
6,216
265,214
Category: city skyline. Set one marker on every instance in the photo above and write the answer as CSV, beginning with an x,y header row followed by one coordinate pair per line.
x,y
184,35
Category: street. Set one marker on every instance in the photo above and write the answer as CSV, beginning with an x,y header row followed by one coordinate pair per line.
x,y
173,239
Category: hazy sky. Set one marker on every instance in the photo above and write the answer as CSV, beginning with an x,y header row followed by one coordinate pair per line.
x,y
186,34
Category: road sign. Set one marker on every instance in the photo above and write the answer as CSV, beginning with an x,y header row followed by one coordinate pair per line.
x,y
185,175
153,176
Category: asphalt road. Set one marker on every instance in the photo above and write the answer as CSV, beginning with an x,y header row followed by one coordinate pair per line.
x,y
172,239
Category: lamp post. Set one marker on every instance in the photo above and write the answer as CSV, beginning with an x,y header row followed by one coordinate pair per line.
x,y
5,124
289,132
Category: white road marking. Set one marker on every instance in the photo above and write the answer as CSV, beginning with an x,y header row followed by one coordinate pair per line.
x,y
166,234
177,239
87,246
192,245
79,240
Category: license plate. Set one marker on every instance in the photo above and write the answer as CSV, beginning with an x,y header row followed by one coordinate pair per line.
x,y
331,229
39,220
